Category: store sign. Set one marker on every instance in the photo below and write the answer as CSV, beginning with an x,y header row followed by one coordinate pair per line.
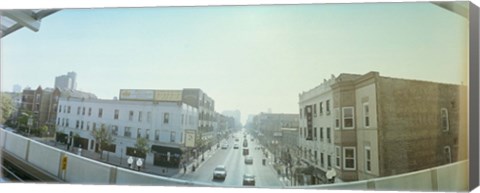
x,y
136,94
189,138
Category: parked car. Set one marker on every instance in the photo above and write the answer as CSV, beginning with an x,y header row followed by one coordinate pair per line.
x,y
225,146
220,172
248,160
248,180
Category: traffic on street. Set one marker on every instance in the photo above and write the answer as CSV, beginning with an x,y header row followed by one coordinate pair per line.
x,y
244,166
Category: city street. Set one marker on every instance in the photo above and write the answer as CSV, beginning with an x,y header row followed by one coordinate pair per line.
x,y
233,159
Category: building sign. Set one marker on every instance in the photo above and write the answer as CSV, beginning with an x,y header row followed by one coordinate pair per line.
x,y
136,94
168,95
64,162
189,138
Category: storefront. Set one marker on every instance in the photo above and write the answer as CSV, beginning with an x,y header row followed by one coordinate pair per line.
x,y
167,156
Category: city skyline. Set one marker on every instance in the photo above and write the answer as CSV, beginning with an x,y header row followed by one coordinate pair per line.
x,y
263,58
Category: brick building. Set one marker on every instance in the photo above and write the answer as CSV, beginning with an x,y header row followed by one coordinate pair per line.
x,y
386,126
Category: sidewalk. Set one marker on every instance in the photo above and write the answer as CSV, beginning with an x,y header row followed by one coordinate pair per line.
x,y
282,175
110,158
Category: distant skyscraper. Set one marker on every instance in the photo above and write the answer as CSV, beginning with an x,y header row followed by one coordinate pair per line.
x,y
68,81
17,88
236,115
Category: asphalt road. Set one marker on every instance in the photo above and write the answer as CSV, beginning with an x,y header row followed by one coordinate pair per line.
x,y
233,159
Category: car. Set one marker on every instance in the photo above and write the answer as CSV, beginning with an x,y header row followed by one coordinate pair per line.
x,y
236,146
224,146
248,160
245,151
248,180
220,172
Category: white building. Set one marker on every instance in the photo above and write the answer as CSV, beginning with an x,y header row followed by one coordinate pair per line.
x,y
163,124
316,133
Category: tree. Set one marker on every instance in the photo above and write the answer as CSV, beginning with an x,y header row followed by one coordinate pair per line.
x,y
142,146
103,137
22,121
43,130
7,107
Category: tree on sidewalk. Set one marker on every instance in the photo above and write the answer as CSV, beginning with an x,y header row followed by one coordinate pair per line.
x,y
142,147
104,138
7,107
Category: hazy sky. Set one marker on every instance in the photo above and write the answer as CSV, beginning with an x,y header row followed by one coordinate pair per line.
x,y
250,58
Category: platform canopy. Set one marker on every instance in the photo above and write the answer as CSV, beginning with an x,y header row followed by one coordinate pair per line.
x,y
13,20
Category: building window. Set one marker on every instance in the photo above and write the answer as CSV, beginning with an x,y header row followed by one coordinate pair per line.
x,y
147,134
78,110
445,124
329,138
81,125
349,158
165,118
321,133
314,110
337,118
172,137
348,118
321,160
320,108
140,114
327,107
329,161
66,123
88,126
89,111
157,135
139,134
316,157
83,111
130,115
58,121
100,112
60,109
149,116
366,115
68,109
301,113
77,125
315,133
368,159
448,154
127,132
115,115
337,157
114,130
